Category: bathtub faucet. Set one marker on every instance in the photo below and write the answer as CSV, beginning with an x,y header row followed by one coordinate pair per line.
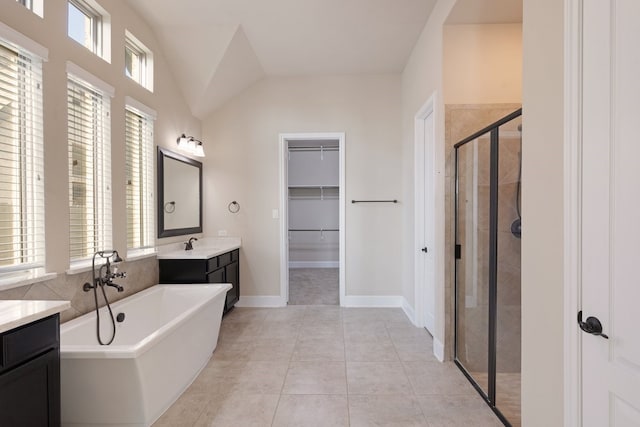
x,y
115,285
109,276
189,245
105,273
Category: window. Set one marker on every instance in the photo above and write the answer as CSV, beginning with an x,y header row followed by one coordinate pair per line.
x,y
36,6
89,168
138,60
88,24
140,178
21,161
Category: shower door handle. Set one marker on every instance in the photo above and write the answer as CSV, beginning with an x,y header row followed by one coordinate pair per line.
x,y
591,326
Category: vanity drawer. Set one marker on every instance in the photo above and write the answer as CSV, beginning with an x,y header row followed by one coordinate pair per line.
x,y
216,276
212,263
28,341
224,259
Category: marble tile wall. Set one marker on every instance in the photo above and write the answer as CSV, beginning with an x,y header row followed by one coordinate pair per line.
x,y
460,122
141,274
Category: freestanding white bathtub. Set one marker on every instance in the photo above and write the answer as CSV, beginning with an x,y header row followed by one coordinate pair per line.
x,y
166,338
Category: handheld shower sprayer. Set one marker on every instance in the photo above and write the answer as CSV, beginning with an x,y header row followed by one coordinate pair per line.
x,y
516,225
104,276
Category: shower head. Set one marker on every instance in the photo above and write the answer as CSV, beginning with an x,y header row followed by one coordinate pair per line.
x,y
516,228
116,257
110,254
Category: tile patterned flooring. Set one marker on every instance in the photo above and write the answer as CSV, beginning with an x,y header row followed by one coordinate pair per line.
x,y
326,366
314,286
507,394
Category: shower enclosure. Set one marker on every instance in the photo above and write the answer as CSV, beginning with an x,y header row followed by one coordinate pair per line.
x,y
487,269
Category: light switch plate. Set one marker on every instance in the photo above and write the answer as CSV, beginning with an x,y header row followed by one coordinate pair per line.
x,y
275,214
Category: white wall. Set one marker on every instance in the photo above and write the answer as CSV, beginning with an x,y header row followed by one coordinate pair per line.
x,y
421,78
242,164
542,207
173,114
542,204
482,64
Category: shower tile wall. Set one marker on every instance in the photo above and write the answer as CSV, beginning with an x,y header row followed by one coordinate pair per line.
x,y
141,274
460,122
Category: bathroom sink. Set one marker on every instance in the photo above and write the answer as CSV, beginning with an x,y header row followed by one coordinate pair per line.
x,y
198,253
205,248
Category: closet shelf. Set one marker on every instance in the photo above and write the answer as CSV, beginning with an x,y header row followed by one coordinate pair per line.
x,y
314,229
318,192
314,186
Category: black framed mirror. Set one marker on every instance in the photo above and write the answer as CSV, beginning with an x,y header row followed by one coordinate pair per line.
x,y
179,194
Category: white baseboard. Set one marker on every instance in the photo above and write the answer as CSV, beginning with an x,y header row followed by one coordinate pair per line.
x,y
438,349
261,301
409,311
314,264
349,301
372,301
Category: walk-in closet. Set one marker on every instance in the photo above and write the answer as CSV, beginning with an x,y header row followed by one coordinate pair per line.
x,y
313,214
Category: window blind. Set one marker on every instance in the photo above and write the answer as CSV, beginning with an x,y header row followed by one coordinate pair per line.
x,y
89,169
140,179
21,160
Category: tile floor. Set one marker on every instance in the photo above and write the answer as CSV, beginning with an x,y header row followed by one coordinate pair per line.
x,y
507,394
314,286
326,366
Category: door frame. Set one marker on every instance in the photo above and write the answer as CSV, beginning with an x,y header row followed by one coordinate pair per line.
x,y
285,138
433,209
572,215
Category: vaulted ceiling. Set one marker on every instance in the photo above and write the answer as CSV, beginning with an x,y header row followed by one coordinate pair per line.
x,y
217,48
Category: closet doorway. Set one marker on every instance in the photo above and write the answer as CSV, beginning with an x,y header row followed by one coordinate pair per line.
x,y
312,213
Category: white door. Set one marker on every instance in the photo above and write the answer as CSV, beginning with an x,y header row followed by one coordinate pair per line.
x,y
610,209
425,217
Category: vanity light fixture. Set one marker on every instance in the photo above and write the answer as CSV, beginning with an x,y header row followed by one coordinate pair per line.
x,y
190,145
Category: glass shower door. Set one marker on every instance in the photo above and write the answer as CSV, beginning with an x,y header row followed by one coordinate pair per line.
x,y
508,295
487,274
472,275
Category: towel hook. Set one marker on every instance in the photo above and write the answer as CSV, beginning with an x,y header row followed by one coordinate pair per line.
x,y
234,207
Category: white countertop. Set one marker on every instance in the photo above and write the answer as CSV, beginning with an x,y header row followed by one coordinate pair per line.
x,y
204,248
15,313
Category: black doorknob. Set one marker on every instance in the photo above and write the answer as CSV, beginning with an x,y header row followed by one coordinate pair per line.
x,y
591,326
425,250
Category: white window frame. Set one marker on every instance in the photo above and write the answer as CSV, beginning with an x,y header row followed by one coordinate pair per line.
x,y
140,196
98,234
28,245
100,27
35,6
145,62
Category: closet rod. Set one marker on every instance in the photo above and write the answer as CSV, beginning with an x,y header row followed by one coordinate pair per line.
x,y
314,229
313,148
374,201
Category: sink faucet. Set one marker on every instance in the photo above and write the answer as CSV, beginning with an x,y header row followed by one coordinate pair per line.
x,y
189,245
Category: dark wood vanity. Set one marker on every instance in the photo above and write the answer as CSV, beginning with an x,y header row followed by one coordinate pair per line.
x,y
223,268
30,363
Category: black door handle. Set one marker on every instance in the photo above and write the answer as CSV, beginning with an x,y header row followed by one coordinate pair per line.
x,y
591,326
425,250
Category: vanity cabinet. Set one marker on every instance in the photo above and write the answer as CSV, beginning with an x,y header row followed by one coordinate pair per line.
x,y
30,374
224,268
